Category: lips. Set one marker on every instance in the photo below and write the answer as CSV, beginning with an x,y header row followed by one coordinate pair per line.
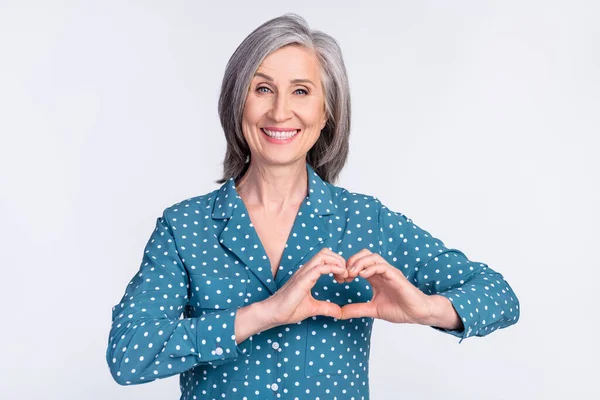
x,y
275,129
280,134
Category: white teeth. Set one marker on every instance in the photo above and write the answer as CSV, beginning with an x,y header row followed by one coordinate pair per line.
x,y
280,135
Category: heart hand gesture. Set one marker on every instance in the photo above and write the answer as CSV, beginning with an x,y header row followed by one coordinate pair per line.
x,y
395,299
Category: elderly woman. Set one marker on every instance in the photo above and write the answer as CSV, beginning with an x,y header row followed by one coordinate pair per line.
x,y
279,274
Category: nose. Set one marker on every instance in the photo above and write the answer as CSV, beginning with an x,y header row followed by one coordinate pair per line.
x,y
280,110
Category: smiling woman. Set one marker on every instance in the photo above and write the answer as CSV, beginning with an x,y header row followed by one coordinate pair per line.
x,y
278,274
285,106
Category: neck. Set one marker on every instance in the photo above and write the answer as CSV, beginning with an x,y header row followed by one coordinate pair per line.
x,y
273,188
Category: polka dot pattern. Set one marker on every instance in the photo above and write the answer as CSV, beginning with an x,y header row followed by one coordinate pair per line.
x,y
204,261
482,298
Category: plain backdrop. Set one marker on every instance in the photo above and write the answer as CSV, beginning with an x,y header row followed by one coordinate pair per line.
x,y
477,119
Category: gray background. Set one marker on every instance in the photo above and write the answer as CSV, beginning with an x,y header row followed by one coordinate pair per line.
x,y
479,120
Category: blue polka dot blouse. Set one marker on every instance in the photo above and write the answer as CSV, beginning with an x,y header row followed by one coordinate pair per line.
x,y
204,260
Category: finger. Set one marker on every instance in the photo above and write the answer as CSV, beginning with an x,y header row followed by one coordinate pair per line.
x,y
315,273
361,264
324,258
328,309
329,259
358,310
357,256
339,277
380,269
358,264
327,250
374,258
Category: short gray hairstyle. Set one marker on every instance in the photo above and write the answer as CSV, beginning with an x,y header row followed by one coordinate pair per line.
x,y
330,152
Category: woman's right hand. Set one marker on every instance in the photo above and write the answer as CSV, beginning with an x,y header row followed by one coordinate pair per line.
x,y
294,302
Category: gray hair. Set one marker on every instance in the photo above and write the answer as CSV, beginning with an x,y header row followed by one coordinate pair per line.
x,y
330,152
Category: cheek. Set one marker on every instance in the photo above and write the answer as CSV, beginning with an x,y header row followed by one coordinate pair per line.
x,y
312,114
253,110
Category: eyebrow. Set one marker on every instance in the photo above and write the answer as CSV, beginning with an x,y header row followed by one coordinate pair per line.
x,y
298,80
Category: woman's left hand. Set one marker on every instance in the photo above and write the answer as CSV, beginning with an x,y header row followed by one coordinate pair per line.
x,y
395,299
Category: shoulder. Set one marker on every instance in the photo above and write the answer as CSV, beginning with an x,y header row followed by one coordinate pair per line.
x,y
355,201
351,202
198,207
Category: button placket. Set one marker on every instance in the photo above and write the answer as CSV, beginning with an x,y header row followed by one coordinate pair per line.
x,y
277,350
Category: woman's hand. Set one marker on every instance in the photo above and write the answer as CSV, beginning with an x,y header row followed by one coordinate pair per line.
x,y
395,299
294,302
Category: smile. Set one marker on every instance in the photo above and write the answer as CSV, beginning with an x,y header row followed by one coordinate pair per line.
x,y
280,135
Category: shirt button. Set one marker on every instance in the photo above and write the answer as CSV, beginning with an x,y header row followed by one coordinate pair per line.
x,y
274,386
275,345
218,351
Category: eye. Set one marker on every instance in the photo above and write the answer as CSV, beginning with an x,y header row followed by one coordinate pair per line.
x,y
258,89
302,90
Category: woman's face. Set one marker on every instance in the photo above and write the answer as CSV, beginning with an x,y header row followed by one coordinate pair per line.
x,y
285,107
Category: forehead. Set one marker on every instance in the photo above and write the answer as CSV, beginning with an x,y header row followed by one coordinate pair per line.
x,y
291,62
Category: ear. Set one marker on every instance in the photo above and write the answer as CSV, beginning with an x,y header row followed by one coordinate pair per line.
x,y
324,122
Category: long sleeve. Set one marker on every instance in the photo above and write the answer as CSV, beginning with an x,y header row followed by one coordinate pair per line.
x,y
148,340
482,298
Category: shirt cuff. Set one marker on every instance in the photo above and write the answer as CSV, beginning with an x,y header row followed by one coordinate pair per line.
x,y
215,339
465,308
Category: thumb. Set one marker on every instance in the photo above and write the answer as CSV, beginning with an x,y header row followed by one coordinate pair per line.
x,y
328,309
358,310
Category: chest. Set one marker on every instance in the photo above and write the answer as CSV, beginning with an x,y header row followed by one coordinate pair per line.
x,y
273,233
